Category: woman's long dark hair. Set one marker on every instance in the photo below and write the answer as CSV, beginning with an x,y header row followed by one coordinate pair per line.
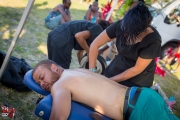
x,y
135,21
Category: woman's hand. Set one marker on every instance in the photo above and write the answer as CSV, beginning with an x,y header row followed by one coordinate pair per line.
x,y
140,65
113,79
100,40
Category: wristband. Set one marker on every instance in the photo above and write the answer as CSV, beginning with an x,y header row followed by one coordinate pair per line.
x,y
93,69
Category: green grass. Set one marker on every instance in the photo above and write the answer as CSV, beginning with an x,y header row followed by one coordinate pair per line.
x,y
170,85
31,45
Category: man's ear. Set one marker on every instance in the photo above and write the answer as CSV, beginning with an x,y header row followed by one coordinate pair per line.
x,y
54,68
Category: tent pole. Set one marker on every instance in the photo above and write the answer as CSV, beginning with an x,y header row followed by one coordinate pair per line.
x,y
18,31
110,12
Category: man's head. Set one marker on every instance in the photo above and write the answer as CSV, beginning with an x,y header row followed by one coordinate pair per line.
x,y
136,21
103,23
67,3
46,73
94,7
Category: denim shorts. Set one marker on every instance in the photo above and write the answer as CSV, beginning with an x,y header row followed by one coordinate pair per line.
x,y
54,22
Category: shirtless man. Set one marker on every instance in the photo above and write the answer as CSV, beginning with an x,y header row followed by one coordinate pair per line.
x,y
60,14
104,95
93,14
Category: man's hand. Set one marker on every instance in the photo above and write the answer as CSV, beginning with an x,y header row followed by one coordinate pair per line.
x,y
96,116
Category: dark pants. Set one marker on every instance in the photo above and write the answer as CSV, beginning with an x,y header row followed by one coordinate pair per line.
x,y
128,84
62,55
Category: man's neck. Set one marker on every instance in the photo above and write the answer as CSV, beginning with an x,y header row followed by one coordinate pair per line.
x,y
61,70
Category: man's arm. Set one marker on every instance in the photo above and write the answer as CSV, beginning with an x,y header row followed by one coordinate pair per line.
x,y
69,15
140,65
81,37
65,16
61,104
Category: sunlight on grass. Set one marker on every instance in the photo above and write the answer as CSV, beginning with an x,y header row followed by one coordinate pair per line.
x,y
6,35
43,48
13,3
22,33
10,34
3,28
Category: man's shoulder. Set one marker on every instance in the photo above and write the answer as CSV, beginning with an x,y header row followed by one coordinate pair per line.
x,y
58,6
68,74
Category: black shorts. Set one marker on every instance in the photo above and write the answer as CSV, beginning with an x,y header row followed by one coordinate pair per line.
x,y
60,55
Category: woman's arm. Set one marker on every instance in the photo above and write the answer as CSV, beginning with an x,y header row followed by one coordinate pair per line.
x,y
140,65
100,15
96,44
88,15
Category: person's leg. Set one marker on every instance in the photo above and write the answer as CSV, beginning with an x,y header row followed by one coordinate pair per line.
x,y
49,49
79,55
62,20
177,66
62,56
175,70
166,60
151,106
54,22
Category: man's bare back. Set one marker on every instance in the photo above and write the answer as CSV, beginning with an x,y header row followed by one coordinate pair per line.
x,y
94,90
98,92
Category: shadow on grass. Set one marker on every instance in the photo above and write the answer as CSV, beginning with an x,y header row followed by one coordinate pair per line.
x,y
33,36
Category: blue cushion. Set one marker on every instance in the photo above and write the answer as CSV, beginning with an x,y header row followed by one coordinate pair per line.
x,y
78,110
28,80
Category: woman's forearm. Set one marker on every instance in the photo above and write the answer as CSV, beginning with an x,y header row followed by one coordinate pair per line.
x,y
96,44
93,53
140,65
129,73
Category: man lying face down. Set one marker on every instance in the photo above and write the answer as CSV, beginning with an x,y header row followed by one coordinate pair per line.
x,y
104,95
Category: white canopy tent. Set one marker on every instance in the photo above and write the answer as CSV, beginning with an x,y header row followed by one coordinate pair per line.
x,y
20,27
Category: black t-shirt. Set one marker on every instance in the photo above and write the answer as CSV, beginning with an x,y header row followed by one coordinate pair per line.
x,y
65,32
148,48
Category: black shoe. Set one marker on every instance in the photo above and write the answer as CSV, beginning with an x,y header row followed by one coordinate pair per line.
x,y
38,100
